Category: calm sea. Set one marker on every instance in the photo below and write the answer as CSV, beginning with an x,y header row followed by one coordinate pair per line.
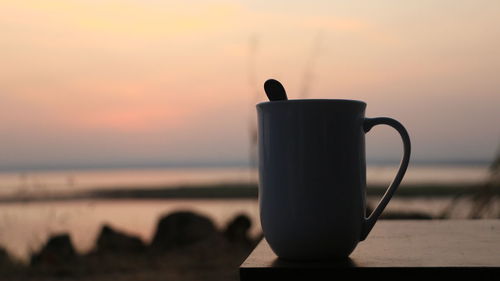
x,y
64,181
24,227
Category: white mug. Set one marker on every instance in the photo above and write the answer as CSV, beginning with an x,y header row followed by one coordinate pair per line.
x,y
312,176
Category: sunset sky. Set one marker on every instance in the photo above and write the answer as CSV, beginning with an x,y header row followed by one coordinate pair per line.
x,y
97,82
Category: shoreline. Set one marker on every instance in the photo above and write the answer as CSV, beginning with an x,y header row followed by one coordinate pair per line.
x,y
227,191
173,248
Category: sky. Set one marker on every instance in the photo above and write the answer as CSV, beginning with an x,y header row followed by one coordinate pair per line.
x,y
99,82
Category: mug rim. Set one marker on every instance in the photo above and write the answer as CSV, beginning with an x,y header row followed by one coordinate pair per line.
x,y
313,100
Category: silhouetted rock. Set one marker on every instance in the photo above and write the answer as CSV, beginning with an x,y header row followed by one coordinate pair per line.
x,y
237,231
113,241
58,250
4,257
182,229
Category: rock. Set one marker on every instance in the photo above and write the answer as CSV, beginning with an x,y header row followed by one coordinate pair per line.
x,y
4,257
58,250
113,241
182,229
237,231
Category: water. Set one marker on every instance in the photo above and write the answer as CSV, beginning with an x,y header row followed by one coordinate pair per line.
x,y
43,182
24,227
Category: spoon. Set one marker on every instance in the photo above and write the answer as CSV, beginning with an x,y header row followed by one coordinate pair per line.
x,y
274,90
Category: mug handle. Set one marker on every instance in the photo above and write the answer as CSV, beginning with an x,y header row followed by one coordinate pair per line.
x,y
367,125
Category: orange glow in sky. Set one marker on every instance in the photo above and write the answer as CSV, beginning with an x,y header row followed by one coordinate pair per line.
x,y
176,81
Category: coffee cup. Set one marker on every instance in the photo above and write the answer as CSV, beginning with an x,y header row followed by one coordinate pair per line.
x,y
312,176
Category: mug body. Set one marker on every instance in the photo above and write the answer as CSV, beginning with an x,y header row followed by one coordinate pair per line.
x,y
312,177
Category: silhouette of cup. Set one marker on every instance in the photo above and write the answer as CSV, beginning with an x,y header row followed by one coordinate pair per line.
x,y
312,176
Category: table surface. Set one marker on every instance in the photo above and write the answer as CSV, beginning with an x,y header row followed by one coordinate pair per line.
x,y
437,244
